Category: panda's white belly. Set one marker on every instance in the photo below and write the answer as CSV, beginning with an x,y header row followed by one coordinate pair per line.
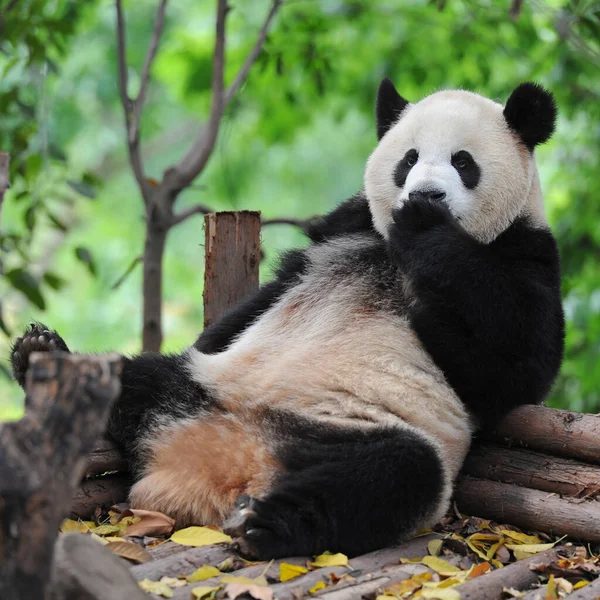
x,y
320,353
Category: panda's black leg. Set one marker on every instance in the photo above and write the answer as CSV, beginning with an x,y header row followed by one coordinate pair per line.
x,y
37,338
349,496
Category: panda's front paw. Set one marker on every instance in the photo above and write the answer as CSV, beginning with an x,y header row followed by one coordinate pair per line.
x,y
37,338
416,216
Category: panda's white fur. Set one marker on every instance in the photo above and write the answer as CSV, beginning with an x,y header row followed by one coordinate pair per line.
x,y
439,126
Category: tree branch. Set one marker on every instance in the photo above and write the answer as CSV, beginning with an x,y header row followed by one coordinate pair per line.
x,y
128,106
240,78
197,156
302,223
159,23
189,212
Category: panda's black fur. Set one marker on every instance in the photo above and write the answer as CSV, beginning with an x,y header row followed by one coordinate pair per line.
x,y
488,314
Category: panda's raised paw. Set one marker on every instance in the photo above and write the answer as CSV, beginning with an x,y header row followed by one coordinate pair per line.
x,y
422,214
37,338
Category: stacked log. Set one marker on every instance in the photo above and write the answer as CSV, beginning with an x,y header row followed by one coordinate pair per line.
x,y
539,470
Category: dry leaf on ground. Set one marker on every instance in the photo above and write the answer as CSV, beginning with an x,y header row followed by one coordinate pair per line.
x,y
150,522
330,560
203,591
156,587
199,536
202,573
287,571
130,551
259,592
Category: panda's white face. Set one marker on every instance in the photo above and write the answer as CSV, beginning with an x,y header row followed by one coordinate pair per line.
x,y
455,147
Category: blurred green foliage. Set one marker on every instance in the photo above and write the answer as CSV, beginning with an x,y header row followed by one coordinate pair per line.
x,y
293,143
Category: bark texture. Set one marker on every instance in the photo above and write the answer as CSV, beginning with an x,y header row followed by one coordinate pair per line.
x,y
232,248
42,460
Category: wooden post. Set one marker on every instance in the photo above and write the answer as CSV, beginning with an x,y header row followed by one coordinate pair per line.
x,y
42,460
232,258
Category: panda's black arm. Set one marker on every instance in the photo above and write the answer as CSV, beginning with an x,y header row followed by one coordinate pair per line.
x,y
490,315
217,336
351,216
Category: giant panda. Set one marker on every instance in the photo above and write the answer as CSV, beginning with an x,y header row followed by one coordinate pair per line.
x,y
333,409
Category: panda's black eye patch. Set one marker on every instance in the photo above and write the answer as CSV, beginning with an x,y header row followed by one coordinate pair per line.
x,y
404,166
467,168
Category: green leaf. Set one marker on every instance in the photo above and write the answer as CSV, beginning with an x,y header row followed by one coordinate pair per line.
x,y
54,281
57,222
83,188
85,256
27,284
29,217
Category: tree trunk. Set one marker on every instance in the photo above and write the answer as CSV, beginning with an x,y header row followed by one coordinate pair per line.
x,y
42,459
156,236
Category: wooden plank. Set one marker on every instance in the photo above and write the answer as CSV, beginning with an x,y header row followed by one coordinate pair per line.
x,y
232,258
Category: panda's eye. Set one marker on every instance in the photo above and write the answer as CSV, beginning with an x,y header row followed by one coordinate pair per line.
x,y
411,158
461,164
466,167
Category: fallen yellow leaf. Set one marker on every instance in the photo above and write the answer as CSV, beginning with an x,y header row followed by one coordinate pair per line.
x,y
172,581
434,547
245,580
99,539
203,590
69,525
439,565
580,584
106,529
330,560
258,592
130,551
526,550
287,571
318,586
440,593
520,537
199,536
202,573
156,587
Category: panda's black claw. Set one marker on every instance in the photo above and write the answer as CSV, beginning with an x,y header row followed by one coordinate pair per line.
x,y
37,338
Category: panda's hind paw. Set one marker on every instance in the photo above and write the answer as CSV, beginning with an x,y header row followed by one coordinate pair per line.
x,y
37,338
255,535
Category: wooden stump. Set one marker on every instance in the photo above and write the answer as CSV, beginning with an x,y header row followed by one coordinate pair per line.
x,y
232,258
42,459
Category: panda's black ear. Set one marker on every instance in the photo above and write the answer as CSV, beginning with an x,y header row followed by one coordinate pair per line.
x,y
389,107
531,113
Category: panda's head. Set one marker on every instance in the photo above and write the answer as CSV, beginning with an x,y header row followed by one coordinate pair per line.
x,y
463,149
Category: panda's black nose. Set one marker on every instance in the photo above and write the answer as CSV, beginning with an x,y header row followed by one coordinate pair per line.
x,y
436,195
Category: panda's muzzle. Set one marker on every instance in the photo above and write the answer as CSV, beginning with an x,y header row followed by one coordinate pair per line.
x,y
435,195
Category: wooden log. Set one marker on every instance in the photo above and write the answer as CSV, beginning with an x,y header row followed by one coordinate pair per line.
x,y
97,492
516,575
232,258
530,509
553,431
84,570
105,457
533,470
184,562
289,590
589,592
42,459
